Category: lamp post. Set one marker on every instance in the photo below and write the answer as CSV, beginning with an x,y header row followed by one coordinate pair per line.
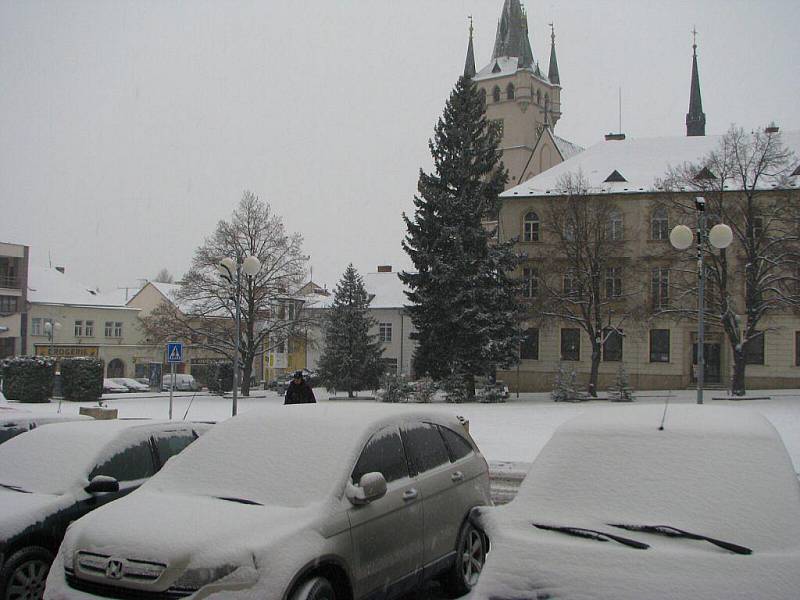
x,y
719,237
231,271
50,328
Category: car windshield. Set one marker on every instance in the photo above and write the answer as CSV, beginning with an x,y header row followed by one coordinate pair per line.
x,y
285,460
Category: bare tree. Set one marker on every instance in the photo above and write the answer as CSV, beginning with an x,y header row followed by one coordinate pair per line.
x,y
164,276
205,304
587,233
744,182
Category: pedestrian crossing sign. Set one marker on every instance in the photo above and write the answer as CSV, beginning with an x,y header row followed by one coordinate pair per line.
x,y
174,352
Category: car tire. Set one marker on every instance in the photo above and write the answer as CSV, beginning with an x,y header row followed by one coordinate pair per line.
x,y
24,574
316,588
470,557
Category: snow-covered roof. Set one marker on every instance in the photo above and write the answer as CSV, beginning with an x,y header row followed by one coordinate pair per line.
x,y
506,65
50,286
568,149
386,289
641,162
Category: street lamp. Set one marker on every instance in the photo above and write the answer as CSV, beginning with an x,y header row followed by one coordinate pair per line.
x,y
719,237
231,271
50,328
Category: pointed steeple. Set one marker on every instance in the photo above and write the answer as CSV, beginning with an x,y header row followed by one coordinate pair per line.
x,y
695,118
512,35
469,66
552,73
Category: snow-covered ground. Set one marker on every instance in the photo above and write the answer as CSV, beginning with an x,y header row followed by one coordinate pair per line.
x,y
510,434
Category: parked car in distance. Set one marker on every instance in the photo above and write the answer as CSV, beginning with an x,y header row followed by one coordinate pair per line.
x,y
353,501
54,475
111,387
132,384
15,422
182,382
707,507
144,381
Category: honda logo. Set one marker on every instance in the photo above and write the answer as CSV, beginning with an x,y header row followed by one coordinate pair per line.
x,y
114,568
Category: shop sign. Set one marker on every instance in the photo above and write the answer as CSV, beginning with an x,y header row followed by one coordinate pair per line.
x,y
66,351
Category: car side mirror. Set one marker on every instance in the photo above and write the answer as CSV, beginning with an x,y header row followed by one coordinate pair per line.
x,y
102,483
371,487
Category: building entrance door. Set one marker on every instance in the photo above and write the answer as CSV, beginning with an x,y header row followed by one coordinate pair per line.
x,y
711,354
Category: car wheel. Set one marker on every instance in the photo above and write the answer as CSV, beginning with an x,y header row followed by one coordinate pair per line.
x,y
316,588
470,556
24,574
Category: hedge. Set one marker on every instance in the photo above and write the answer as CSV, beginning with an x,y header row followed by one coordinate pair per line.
x,y
82,378
28,378
220,377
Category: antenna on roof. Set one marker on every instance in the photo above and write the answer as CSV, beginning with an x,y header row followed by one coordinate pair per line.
x,y
620,109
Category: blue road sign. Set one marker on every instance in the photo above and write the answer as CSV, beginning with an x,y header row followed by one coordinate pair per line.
x,y
174,352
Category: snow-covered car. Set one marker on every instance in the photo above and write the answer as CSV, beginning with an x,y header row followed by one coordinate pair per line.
x,y
14,422
54,475
111,387
614,506
299,502
182,382
131,384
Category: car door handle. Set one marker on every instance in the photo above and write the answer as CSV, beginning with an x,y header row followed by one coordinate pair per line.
x,y
457,476
410,494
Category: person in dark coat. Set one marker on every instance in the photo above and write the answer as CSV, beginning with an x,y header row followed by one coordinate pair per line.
x,y
299,392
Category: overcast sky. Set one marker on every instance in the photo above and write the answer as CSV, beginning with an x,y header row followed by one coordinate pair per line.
x,y
128,129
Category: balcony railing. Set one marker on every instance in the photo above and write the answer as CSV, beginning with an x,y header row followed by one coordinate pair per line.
x,y
9,282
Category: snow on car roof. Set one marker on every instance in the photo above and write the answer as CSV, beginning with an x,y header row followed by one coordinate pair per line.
x,y
285,455
710,468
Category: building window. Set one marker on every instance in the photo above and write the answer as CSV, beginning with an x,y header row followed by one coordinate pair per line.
x,y
89,329
758,228
118,329
389,365
109,328
615,229
571,287
78,328
496,93
613,282
385,332
612,346
538,96
8,304
530,227
659,287
659,345
659,224
530,282
570,344
529,349
510,91
754,350
36,326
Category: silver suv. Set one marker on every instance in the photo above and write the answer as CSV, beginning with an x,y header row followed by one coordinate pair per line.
x,y
297,502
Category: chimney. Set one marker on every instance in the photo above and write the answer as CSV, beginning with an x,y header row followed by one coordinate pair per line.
x,y
615,137
772,129
384,268
61,269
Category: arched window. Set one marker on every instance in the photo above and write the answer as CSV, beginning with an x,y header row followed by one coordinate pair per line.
x,y
530,282
496,93
116,368
615,230
530,227
482,94
659,224
510,91
539,97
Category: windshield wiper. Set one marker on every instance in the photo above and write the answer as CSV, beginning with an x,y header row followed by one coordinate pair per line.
x,y
15,488
680,533
239,500
591,534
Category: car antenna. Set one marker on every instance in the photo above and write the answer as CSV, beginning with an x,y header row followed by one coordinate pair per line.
x,y
190,406
666,406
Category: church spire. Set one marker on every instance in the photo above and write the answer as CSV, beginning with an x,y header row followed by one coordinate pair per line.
x,y
695,118
552,73
512,35
469,66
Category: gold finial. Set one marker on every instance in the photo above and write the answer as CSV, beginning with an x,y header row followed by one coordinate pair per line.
x,y
470,26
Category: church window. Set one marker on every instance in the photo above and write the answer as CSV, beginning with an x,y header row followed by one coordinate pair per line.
x,y
659,224
530,228
496,93
538,96
510,91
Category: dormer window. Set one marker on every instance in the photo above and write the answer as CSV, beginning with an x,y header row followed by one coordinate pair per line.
x,y
705,173
796,172
496,67
615,177
510,91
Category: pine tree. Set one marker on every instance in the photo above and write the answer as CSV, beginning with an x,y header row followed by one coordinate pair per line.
x,y
463,304
351,357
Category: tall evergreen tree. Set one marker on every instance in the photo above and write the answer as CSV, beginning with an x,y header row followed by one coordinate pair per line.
x,y
463,303
351,357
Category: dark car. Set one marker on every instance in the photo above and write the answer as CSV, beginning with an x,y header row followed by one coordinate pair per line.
x,y
13,422
54,475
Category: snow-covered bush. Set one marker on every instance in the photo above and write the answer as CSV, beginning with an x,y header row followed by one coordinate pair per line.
x,y
28,378
424,390
82,378
220,377
621,390
491,393
454,388
395,388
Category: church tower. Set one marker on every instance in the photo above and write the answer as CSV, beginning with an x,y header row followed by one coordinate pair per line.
x,y
523,101
695,118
